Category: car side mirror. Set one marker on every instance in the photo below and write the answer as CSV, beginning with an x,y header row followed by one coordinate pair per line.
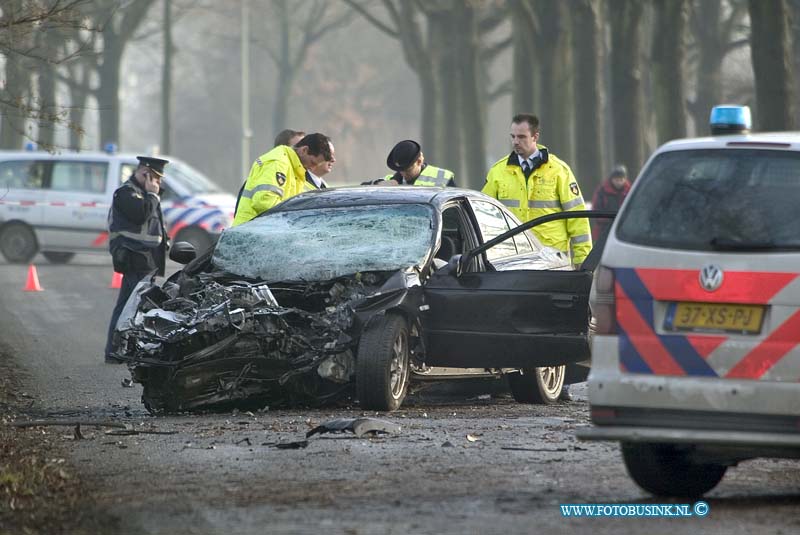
x,y
182,252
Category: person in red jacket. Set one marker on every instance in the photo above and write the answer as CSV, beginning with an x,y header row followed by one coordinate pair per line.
x,y
609,196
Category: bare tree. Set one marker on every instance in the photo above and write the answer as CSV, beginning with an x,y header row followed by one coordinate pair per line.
x,y
166,79
626,82
524,28
405,26
715,27
771,47
590,92
289,41
31,35
668,68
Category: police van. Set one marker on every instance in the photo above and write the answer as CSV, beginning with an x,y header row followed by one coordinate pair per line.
x,y
57,204
696,358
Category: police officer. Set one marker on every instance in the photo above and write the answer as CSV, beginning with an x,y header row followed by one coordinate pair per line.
x,y
531,182
137,237
280,174
408,162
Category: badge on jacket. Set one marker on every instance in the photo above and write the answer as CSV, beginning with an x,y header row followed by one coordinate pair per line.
x,y
280,178
573,187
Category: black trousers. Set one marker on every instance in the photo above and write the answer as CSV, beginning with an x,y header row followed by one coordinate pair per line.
x,y
129,281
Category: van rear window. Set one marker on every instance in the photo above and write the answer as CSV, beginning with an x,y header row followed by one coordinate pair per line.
x,y
21,174
716,199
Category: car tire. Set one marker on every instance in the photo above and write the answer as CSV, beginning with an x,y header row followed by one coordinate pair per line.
x,y
58,258
382,364
199,238
18,243
666,470
541,386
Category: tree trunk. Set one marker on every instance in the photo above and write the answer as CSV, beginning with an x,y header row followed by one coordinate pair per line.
x,y
108,89
626,83
444,43
770,47
166,81
668,68
285,74
473,123
587,43
554,60
523,27
78,95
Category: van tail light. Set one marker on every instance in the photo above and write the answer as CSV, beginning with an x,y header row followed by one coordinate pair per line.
x,y
604,307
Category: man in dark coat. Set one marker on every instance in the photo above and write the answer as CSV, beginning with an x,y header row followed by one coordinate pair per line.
x,y
609,196
137,236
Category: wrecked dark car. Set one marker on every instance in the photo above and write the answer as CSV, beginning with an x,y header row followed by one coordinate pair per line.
x,y
360,291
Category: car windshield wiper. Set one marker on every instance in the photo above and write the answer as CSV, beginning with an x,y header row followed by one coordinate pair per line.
x,y
727,244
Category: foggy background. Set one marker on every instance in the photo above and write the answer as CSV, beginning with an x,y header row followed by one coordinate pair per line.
x,y
610,79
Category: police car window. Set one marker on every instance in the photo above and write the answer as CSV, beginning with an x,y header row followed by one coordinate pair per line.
x,y
24,174
125,171
190,179
85,177
716,199
492,223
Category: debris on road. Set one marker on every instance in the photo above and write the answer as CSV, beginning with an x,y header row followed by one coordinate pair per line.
x,y
358,426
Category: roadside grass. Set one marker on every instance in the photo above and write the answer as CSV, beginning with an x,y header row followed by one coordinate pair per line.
x,y
39,491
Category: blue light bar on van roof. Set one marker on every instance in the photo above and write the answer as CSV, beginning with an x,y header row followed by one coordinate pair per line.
x,y
110,148
730,120
30,146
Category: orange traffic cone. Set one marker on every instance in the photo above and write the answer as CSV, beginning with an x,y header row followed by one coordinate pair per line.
x,y
116,281
32,284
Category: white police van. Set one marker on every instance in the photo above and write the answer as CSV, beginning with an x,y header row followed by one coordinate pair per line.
x,y
58,204
696,359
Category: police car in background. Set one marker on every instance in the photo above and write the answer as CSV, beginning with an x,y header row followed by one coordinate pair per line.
x,y
696,358
58,204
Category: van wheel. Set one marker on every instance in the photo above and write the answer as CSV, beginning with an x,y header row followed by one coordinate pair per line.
x,y
537,385
58,258
18,243
382,364
198,237
666,470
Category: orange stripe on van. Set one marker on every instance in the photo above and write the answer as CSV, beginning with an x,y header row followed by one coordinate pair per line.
x,y
752,287
764,356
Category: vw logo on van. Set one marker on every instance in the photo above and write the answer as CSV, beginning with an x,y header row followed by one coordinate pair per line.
x,y
711,277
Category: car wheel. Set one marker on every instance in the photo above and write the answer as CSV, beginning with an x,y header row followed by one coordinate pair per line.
x,y
666,470
198,237
18,243
537,385
382,364
58,258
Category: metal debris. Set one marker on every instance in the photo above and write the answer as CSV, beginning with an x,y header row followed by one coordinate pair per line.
x,y
358,426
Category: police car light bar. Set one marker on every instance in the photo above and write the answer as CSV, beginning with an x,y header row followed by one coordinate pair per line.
x,y
730,119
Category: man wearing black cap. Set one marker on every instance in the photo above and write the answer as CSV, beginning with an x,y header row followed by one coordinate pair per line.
x,y
137,237
407,160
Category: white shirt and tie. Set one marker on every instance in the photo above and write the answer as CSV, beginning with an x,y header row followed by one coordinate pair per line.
x,y
528,163
316,180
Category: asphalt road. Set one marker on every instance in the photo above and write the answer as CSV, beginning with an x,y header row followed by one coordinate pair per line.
x,y
464,462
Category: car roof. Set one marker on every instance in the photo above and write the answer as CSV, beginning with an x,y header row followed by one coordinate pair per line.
x,y
73,155
760,140
371,195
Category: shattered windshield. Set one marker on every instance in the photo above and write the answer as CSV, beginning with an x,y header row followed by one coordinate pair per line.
x,y
322,244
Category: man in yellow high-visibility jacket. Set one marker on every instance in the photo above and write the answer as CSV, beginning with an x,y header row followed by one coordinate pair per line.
x,y
408,162
280,174
531,183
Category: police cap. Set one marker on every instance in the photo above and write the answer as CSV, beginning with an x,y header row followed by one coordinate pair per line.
x,y
154,164
403,155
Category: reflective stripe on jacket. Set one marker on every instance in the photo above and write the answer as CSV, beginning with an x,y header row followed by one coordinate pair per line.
x,y
550,188
274,177
429,176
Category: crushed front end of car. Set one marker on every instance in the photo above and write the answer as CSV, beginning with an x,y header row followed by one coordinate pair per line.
x,y
212,342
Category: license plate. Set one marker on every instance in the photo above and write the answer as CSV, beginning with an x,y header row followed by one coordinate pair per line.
x,y
714,317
